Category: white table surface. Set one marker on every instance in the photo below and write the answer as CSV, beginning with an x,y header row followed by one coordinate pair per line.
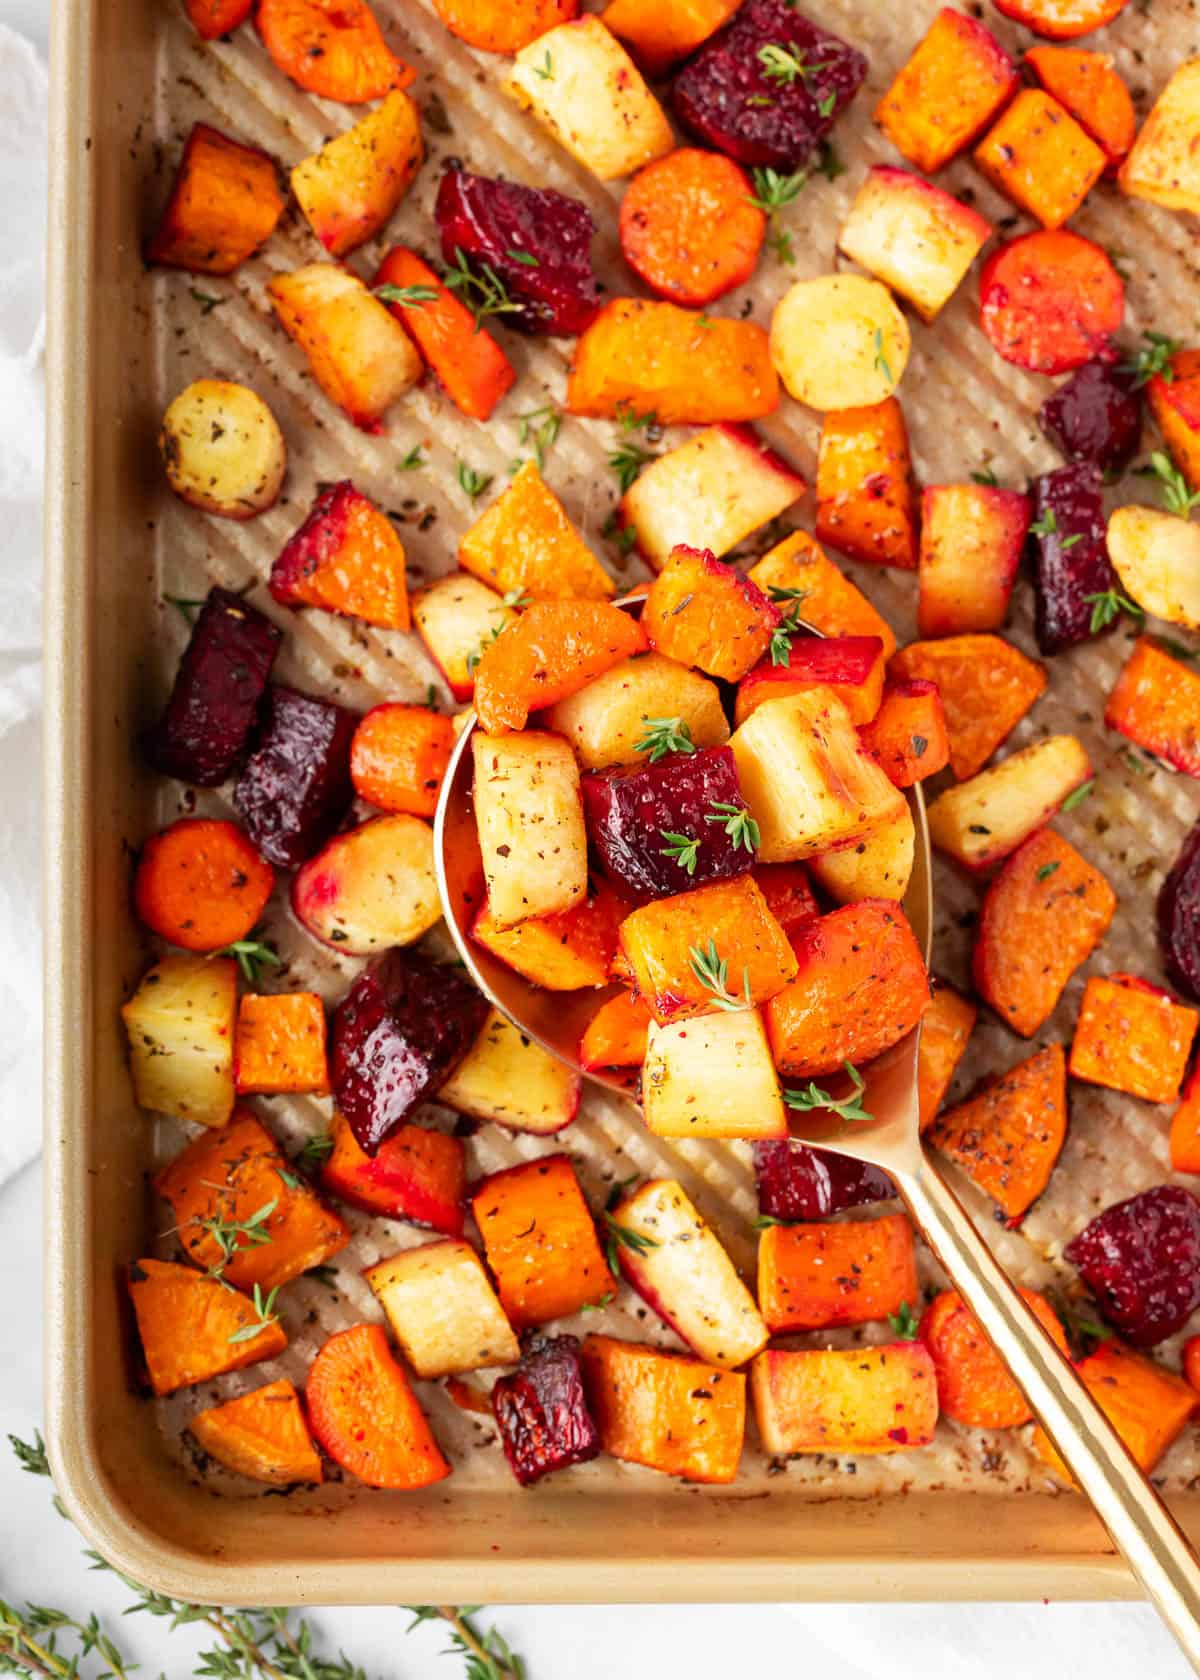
x,y
828,1642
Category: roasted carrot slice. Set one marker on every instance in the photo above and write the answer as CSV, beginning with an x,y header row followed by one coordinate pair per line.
x,y
201,884
1009,1136
908,733
280,1043
945,1028
1156,704
333,48
214,18
224,203
552,650
689,228
682,1416
503,26
1041,158
986,684
798,573
468,362
365,1415
974,1386
418,1174
1089,87
1132,1036
1175,405
540,1241
345,558
399,756
1147,1405
195,1327
616,1035
1062,20
704,613
1044,915
262,1435
1050,301
524,543
815,1276
867,502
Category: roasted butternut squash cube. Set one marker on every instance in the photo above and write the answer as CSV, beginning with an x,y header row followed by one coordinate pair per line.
x,y
867,502
280,1043
529,812
845,1400
1086,83
616,1035
986,686
798,573
194,1327
908,735
1156,705
956,80
606,720
852,667
507,1078
1133,1037
1040,158
946,1027
703,613
262,1435
657,35
442,1309
682,1416
1008,1137
225,202
712,1077
1147,1405
525,543
562,953
1164,164
180,1025
540,1241
350,188
816,1276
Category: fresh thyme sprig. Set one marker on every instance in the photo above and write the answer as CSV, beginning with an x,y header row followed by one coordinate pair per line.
x,y
904,1323
408,297
264,1306
315,1149
739,825
471,482
414,458
480,288
987,477
627,461
208,301
780,645
617,1237
540,428
848,1108
772,194
1078,795
682,847
187,606
233,1235
1177,498
252,955
1047,526
486,1653
1108,605
515,598
1153,359
783,64
712,971
663,735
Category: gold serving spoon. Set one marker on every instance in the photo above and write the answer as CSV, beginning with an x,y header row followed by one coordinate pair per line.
x,y
1137,1520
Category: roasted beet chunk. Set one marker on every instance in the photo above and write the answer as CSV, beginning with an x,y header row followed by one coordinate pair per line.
x,y
484,224
796,1182
1141,1260
666,827
769,86
398,1035
1179,918
1095,416
1071,567
218,686
541,1411
296,788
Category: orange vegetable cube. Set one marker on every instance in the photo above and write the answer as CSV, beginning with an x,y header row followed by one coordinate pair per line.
x,y
986,685
540,1241
350,188
972,538
553,650
670,1413
333,48
974,1386
194,1327
952,86
262,1435
1175,405
1184,1137
945,1028
1039,156
525,542
658,35
469,364
398,758
1089,87
503,26
1156,704
345,558
1147,1405
224,204
705,614
811,1277
798,572
565,952
1133,1037
908,734
867,502
616,1035
417,1174
1008,1137
845,1400
365,1415
280,1043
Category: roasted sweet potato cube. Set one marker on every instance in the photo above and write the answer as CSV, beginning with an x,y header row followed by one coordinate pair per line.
x,y
417,1174
1043,916
345,558
812,1277
908,734
867,501
1008,1137
606,721
1175,405
845,1400
798,573
956,80
981,821
529,812
974,1385
712,1076
262,1435
986,685
852,667
194,1327
364,1413
1147,1405
1133,1037
331,48
682,1416
945,1028
280,1044
540,1241
524,542
551,651
615,1037
658,36
972,536
1040,158
1184,1137
1164,164
442,1309
350,188
1086,83
562,953
398,758
705,614
224,203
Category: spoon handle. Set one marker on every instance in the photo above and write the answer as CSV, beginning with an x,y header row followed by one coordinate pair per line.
x,y
1137,1520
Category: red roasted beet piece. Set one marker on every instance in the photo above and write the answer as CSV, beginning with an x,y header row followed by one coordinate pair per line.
x,y
1070,555
1141,1260
1095,416
1179,918
295,787
797,1182
629,814
398,1035
730,98
218,686
488,220
542,1413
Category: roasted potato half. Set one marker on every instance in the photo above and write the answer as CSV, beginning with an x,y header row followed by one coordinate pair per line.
x,y
222,449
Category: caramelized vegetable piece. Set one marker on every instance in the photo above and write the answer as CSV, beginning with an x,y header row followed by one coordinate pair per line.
x,y
681,1416
194,1327
225,202
1062,20
788,893
798,574
295,787
1071,567
417,1174
1043,916
551,651
616,1035
705,614
908,734
333,48
839,341
986,686
398,757
261,1435
200,884
469,364
974,1387
540,1241
971,541
859,987
712,1077
913,236
606,721
688,226
345,558
280,1045
1141,1260
1133,1037
524,543
213,18
1184,1139
370,887
1095,416
222,450
1040,158
1179,917
658,36
365,1415
180,1024
1156,704
1175,405
360,356
1050,301
812,1277
541,1411
985,819
945,1028
562,953
530,820
457,617
851,667
878,866
954,83
507,1078
796,1182
1147,1405
1089,87
1162,164
351,187
442,1309
1008,1137
866,498
503,26
845,1400
1156,556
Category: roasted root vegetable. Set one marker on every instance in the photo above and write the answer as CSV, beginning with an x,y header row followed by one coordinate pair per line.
x,y
689,227
653,357
222,449
796,1182
442,1309
398,757
225,202
1050,301
703,613
1096,417
607,721
682,1416
194,1327
540,1241
1044,914
295,787
986,686
799,576
1174,396
1132,1037
345,558
180,1023
363,1412
1147,1405
877,866
983,820
845,1400
1140,1259
1155,703
529,813
525,544
351,187
1162,165
333,48
908,735
972,536
1062,20
1040,158
813,1277
541,1411
1179,917
213,18
1156,556
973,1383
1086,83
457,617
262,1435
657,36
914,237
1184,1142
504,28
1008,1137
200,884
954,83
508,1079
280,1044
616,1035
945,1028
867,501
416,1174
839,342
370,887
1074,583
469,364
553,649
561,953
851,667
594,102
712,1077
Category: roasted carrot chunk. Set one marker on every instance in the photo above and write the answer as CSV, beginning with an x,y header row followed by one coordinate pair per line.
x,y
1156,704
845,1400
1044,914
867,503
788,892
1062,20
616,1035
1050,301
986,684
1040,157
682,1416
563,953
798,573
540,1241
201,884
240,1177
1147,1405
974,1386
1089,87
552,650
333,48
213,18
418,1174
657,35
1009,1136
280,1043
950,89
689,226
851,666
811,1277
365,1415
469,364
945,1028
224,203
860,986
262,1435
1175,405
503,26
703,613
195,1327
908,733
345,558
525,543
399,756
1133,1037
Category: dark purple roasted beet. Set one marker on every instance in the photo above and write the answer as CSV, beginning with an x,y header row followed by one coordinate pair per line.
x,y
1141,1260
218,686
487,220
542,1412
797,1182
631,813
1071,563
1179,918
769,86
295,787
398,1035
1095,416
